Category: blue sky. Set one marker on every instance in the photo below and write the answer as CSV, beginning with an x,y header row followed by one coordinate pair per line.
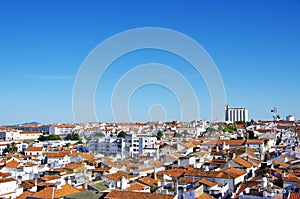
x,y
254,43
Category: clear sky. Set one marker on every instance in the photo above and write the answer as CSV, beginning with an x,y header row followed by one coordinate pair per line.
x,y
254,43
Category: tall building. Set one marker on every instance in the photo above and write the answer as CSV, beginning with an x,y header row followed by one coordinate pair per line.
x,y
236,114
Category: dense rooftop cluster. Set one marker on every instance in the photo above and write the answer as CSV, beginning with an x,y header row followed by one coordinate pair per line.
x,y
180,160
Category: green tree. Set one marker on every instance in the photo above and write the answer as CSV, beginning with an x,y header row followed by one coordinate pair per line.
x,y
79,142
230,128
153,189
159,135
100,134
49,137
122,134
72,136
251,134
10,148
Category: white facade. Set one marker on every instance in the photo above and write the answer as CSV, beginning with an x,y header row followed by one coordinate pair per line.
x,y
29,135
61,129
107,146
9,134
141,146
9,188
290,118
236,114
37,128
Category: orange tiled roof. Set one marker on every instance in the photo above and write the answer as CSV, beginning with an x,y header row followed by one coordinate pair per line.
x,y
32,148
208,182
149,181
101,169
255,141
3,180
176,172
58,193
227,142
115,194
87,156
234,172
281,163
31,132
12,164
294,195
187,144
205,196
117,176
135,187
73,165
243,162
51,177
225,173
60,154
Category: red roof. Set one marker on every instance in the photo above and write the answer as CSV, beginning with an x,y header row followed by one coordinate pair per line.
x,y
255,141
60,154
114,194
32,148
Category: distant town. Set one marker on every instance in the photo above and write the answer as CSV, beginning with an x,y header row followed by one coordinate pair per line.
x,y
237,158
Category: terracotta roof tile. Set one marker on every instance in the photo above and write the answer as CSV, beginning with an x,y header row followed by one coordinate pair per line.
x,y
176,172
12,164
117,176
32,148
149,181
294,195
208,182
58,193
281,163
255,141
227,142
137,195
3,180
135,187
243,162
60,154
51,177
205,196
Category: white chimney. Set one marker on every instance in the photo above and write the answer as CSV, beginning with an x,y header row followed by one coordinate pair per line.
x,y
58,185
264,182
233,155
206,168
124,184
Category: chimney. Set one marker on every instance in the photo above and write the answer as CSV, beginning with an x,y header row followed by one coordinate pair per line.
x,y
206,168
58,185
19,180
283,174
85,186
264,182
233,155
154,172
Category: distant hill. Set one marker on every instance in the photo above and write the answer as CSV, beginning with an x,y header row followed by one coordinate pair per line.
x,y
30,123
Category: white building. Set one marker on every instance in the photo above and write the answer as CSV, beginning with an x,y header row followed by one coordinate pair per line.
x,y
9,188
236,114
61,129
9,134
107,146
290,118
29,135
141,146
37,128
